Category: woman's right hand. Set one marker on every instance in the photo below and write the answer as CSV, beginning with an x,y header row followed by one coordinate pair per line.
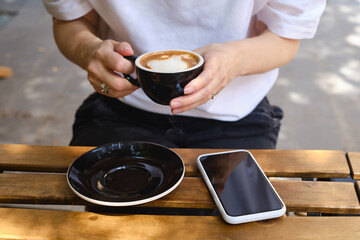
x,y
107,59
78,41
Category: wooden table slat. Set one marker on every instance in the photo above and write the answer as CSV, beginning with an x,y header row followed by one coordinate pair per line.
x,y
47,224
17,157
299,196
354,163
282,163
324,197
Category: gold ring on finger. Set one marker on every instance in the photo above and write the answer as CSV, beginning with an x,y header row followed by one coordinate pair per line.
x,y
105,88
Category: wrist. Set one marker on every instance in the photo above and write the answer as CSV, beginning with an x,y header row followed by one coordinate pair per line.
x,y
238,53
87,47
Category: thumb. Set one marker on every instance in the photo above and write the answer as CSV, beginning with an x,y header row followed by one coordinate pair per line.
x,y
123,48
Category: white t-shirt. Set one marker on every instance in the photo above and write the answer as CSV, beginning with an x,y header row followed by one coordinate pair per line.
x,y
150,25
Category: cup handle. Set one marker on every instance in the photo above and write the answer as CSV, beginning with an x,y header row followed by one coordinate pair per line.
x,y
128,77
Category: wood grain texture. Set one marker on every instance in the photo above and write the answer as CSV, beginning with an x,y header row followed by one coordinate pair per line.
x,y
354,163
299,196
47,224
323,197
17,157
283,163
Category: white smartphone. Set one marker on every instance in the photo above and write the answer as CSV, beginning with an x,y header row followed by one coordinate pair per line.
x,y
239,187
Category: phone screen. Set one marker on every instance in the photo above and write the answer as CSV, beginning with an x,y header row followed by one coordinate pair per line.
x,y
239,183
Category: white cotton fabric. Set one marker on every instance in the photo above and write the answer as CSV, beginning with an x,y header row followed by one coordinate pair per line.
x,y
151,25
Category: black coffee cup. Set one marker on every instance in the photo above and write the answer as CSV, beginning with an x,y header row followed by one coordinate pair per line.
x,y
163,74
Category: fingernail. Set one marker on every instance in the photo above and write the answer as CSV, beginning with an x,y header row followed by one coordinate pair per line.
x,y
175,111
125,50
189,90
176,104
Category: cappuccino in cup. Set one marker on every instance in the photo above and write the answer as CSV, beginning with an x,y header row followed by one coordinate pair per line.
x,y
162,75
169,61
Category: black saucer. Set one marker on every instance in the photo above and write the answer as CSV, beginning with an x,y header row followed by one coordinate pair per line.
x,y
125,173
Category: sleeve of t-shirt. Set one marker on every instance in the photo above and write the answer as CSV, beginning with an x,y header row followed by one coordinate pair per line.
x,y
67,9
292,19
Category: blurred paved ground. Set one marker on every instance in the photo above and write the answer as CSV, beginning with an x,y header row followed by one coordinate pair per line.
x,y
318,90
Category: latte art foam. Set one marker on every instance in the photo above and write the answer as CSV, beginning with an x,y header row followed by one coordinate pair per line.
x,y
169,61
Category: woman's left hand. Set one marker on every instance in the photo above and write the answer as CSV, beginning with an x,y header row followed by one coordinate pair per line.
x,y
217,73
223,62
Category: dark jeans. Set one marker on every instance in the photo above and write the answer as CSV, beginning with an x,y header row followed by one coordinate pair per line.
x,y
101,120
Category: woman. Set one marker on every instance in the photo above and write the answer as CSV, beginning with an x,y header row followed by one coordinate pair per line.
x,y
243,44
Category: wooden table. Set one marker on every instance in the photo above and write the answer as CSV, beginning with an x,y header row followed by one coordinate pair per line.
x,y
36,175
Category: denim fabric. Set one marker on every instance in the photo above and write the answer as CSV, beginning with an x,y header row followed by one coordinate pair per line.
x,y
101,120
